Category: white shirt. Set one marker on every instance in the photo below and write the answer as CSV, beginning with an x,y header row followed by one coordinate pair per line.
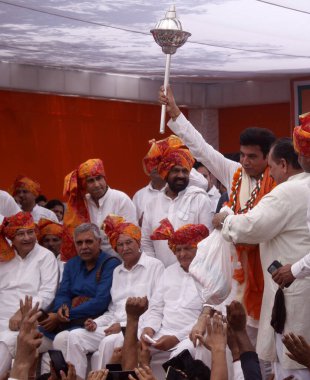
x,y
39,212
214,196
36,275
279,224
8,206
192,205
113,202
141,280
175,305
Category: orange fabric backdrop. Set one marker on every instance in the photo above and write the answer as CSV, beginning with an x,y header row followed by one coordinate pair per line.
x,y
47,136
233,120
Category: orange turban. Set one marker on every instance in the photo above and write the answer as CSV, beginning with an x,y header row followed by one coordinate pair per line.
x,y
26,183
301,135
8,229
115,225
48,227
190,234
74,191
165,154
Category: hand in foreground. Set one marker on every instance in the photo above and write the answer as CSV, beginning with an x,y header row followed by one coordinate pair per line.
x,y
102,374
236,316
200,326
28,341
26,305
299,349
166,342
283,275
115,328
216,338
148,331
136,306
144,355
63,314
218,220
143,373
90,325
169,101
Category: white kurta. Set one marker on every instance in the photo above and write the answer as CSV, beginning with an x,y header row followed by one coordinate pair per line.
x,y
113,202
175,305
39,212
139,281
279,224
36,275
8,206
192,205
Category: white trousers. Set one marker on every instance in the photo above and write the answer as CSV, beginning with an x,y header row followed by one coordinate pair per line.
x,y
5,359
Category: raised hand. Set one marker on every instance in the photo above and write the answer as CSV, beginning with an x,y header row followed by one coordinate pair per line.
x,y
236,316
136,306
299,349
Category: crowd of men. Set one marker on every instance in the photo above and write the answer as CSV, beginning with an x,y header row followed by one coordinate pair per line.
x,y
106,279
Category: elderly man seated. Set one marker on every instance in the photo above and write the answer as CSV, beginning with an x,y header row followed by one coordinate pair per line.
x,y
26,268
84,291
25,190
136,276
176,304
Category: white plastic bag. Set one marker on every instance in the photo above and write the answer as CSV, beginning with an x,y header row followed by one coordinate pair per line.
x,y
212,268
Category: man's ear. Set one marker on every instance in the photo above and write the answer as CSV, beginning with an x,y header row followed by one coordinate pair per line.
x,y
284,165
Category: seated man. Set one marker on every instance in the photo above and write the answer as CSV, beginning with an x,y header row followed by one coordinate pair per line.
x,y
136,276
26,268
84,291
50,237
27,190
90,199
176,304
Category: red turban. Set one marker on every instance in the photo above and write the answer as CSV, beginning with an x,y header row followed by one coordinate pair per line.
x,y
25,183
115,225
74,191
189,234
8,229
301,135
48,227
165,154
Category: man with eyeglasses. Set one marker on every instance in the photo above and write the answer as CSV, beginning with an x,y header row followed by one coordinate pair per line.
x,y
26,268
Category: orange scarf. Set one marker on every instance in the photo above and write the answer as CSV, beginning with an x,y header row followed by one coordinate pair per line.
x,y
255,281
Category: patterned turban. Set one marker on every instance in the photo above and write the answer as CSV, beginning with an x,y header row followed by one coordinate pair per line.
x,y
190,234
8,229
165,154
25,183
48,227
115,225
74,191
301,135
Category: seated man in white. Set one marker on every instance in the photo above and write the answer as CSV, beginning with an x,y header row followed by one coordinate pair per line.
x,y
27,190
176,304
26,268
137,276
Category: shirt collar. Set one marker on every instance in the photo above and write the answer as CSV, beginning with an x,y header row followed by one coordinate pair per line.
x,y
141,263
101,200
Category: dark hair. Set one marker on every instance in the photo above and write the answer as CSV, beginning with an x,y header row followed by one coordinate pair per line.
x,y
197,165
41,198
284,148
262,137
54,202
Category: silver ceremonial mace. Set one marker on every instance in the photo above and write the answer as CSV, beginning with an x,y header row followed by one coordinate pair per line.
x,y
168,34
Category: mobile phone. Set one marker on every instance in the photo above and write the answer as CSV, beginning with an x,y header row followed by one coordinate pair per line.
x,y
174,374
183,361
149,339
120,375
58,362
114,367
274,266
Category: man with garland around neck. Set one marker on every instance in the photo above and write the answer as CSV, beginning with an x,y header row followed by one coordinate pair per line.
x,y
247,182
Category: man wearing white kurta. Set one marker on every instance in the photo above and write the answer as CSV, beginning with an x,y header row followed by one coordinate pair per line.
x,y
279,224
8,206
137,276
32,271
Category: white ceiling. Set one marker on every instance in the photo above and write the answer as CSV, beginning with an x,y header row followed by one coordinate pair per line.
x,y
230,38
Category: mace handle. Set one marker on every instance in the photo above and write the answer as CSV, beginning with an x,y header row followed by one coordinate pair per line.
x,y
166,82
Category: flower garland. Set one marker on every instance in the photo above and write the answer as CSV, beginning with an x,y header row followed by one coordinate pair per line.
x,y
234,192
